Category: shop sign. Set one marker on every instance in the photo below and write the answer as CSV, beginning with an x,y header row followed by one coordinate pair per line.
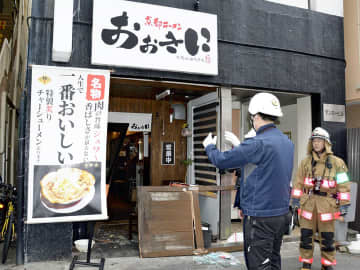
x,y
334,113
138,35
140,122
168,153
67,159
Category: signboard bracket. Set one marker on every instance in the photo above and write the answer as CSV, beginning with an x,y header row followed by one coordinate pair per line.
x,y
75,260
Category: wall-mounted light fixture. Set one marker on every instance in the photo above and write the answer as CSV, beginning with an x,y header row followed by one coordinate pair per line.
x,y
164,94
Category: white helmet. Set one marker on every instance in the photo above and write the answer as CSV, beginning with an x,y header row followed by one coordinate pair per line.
x,y
265,103
320,133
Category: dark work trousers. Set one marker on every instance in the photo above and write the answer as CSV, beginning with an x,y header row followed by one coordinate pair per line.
x,y
262,241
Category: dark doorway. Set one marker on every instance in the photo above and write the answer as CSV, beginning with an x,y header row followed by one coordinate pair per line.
x,y
119,171
127,169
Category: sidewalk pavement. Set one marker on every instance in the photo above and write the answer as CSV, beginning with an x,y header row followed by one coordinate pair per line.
x,y
289,252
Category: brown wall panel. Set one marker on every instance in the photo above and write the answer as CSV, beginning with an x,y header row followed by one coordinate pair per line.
x,y
172,132
236,121
352,116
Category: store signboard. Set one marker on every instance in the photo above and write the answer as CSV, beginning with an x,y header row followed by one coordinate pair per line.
x,y
140,122
334,113
145,36
67,158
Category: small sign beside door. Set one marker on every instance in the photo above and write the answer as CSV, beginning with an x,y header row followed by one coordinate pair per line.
x,y
334,113
168,153
140,122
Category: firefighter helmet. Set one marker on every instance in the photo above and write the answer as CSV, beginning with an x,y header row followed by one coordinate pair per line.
x,y
265,103
320,133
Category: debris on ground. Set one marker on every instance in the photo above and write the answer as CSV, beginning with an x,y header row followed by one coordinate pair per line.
x,y
236,237
222,259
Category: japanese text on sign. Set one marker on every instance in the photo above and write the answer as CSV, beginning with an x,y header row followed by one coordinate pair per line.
x,y
68,125
151,45
155,37
168,153
334,113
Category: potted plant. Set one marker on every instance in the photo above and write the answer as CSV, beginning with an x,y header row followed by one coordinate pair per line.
x,y
187,162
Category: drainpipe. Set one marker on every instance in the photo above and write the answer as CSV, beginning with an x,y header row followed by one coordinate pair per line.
x,y
2,131
20,183
357,34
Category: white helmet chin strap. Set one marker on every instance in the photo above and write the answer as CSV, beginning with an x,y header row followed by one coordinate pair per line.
x,y
252,121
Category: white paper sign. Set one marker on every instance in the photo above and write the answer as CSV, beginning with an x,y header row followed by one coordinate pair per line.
x,y
137,121
68,126
334,113
137,35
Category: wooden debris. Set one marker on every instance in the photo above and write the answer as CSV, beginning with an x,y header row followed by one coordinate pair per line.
x,y
170,223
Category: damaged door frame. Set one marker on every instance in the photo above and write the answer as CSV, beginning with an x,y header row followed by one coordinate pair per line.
x,y
222,218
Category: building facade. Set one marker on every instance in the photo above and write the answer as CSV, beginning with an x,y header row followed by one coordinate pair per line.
x,y
352,46
295,53
13,54
352,56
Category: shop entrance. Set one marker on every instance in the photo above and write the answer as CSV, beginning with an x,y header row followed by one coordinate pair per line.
x,y
136,157
219,112
128,163
296,124
135,152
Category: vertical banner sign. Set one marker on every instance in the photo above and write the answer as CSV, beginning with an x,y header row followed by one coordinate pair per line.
x,y
145,36
67,159
168,153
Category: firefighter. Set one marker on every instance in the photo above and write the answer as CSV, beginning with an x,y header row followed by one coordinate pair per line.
x,y
267,160
321,193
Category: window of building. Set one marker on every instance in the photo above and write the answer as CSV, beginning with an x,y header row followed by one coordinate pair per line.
x,y
295,3
333,7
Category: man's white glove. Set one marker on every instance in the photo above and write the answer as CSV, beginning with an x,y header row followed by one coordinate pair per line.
x,y
231,137
209,140
250,134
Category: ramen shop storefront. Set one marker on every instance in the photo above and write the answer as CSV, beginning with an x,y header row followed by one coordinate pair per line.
x,y
93,173
149,37
144,50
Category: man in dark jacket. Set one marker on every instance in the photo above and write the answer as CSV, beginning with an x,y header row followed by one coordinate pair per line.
x,y
267,160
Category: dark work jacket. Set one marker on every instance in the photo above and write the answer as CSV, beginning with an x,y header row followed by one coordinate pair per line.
x,y
266,161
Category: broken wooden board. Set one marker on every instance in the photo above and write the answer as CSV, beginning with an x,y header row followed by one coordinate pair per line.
x,y
169,220
197,220
165,223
